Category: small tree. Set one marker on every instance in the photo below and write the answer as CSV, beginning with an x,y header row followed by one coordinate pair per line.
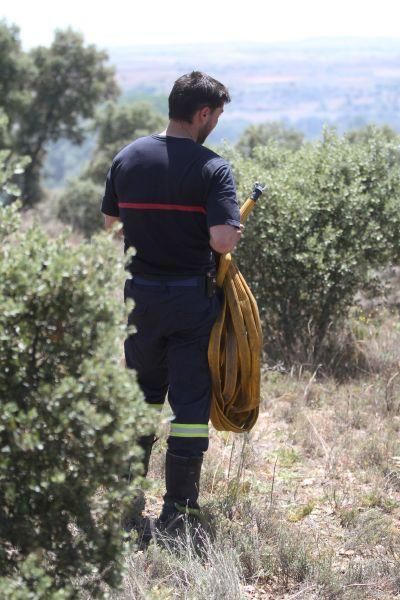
x,y
48,94
70,415
262,134
79,206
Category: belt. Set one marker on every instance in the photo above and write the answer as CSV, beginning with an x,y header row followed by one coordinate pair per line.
x,y
190,282
207,282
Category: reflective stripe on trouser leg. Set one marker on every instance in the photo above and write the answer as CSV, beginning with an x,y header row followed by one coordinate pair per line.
x,y
189,430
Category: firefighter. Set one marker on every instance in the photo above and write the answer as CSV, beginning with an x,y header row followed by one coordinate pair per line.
x,y
177,203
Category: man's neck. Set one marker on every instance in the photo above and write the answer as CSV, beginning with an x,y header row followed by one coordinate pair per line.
x,y
181,129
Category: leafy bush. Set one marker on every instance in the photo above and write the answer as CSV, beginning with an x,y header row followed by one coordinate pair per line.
x,y
79,206
70,415
331,215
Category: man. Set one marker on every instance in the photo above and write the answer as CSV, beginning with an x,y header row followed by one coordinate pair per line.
x,y
177,203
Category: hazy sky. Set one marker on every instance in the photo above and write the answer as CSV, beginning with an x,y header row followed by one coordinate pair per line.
x,y
176,21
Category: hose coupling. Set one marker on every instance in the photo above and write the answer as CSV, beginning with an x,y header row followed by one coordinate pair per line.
x,y
258,189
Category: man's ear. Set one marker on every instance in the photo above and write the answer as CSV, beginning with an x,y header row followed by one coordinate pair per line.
x,y
205,112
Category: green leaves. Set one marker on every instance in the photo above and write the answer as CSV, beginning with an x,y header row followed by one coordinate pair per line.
x,y
262,134
79,206
330,216
70,414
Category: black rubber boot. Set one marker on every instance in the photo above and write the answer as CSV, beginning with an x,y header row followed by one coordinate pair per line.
x,y
132,517
182,478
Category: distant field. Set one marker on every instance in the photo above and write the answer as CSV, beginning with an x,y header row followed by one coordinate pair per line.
x,y
342,83
345,83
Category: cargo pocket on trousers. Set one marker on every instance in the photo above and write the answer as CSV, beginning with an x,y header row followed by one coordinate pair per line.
x,y
201,314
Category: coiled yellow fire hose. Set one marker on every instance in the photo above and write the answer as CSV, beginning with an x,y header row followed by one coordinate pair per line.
x,y
234,351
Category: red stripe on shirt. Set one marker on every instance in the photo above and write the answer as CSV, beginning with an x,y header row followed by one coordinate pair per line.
x,y
150,206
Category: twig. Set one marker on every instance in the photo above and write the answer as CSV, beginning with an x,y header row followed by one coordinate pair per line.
x,y
219,464
320,439
299,593
242,458
372,585
387,390
273,483
311,381
392,378
230,459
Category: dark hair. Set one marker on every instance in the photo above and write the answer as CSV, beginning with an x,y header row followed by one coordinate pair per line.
x,y
194,91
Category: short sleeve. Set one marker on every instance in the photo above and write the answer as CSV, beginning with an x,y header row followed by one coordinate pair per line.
x,y
222,204
109,205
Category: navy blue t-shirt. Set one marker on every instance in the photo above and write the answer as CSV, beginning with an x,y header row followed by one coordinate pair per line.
x,y
168,192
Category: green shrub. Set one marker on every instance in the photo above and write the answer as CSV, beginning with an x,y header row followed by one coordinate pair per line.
x,y
330,216
70,415
79,206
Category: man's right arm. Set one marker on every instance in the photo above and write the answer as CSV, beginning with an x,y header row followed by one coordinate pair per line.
x,y
223,238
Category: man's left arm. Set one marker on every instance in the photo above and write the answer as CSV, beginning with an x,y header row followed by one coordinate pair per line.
x,y
223,213
109,223
109,206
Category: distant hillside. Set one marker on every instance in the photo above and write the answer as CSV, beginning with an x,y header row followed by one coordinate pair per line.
x,y
343,82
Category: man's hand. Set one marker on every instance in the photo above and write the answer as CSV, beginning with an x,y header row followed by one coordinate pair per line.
x,y
109,223
223,238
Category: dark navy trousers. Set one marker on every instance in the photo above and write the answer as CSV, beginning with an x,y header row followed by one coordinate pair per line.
x,y
173,321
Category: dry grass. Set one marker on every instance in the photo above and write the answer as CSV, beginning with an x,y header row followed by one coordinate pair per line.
x,y
307,505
